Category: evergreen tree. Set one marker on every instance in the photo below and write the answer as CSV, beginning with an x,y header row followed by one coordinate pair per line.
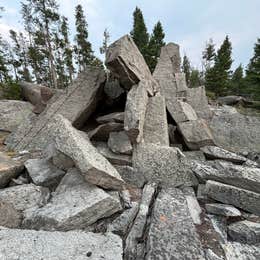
x,y
195,79
156,42
237,81
4,76
186,68
139,33
208,55
253,72
83,49
104,47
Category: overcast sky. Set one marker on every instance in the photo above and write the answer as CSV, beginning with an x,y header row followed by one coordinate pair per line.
x,y
190,23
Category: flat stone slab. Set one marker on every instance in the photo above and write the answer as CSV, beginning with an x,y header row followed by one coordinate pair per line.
x,y
244,199
13,113
222,210
75,204
76,105
196,133
214,152
172,234
119,143
92,165
43,173
245,232
116,117
32,245
240,176
155,125
163,164
8,169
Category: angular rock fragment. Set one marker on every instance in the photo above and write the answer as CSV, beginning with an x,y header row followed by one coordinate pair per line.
x,y
112,89
244,199
172,234
43,173
133,241
162,164
75,204
135,109
9,216
76,105
119,143
236,175
101,133
196,134
155,125
245,232
181,111
116,117
222,210
94,167
62,161
32,245
214,152
8,169
116,159
195,155
31,92
13,113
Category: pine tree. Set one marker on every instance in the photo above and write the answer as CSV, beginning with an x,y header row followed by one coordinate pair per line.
x,y
195,78
83,49
253,72
106,37
208,55
186,68
139,33
4,71
237,81
156,42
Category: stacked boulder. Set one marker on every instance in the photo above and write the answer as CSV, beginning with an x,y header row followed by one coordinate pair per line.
x,y
124,166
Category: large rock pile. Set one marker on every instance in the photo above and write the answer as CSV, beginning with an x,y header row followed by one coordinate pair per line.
x,y
126,168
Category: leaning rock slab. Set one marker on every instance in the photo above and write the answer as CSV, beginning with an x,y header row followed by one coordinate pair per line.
x,y
172,234
94,167
75,204
119,143
116,117
32,245
13,113
76,105
222,210
244,199
196,134
245,232
8,169
214,152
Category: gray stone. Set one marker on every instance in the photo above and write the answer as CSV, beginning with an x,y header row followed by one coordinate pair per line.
x,y
236,175
135,110
131,176
155,125
195,155
94,167
214,152
9,216
127,63
112,89
101,133
62,161
116,117
9,169
245,232
123,222
13,113
119,143
231,100
72,245
136,233
163,164
172,133
244,199
235,132
222,210
196,133
181,111
197,98
116,159
30,92
43,173
23,197
77,104
172,234
201,192
75,204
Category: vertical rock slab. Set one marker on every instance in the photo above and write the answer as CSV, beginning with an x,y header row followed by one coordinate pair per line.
x,y
155,125
76,105
32,245
94,167
172,234
135,109
75,204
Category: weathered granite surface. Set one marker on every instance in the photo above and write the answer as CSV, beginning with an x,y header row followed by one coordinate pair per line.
x,y
117,117
222,210
119,143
